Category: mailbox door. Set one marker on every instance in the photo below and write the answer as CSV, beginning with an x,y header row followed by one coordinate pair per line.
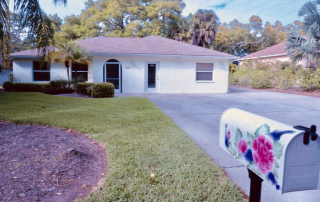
x,y
301,165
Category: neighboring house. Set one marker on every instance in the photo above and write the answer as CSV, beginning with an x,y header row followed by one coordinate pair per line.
x,y
137,65
276,52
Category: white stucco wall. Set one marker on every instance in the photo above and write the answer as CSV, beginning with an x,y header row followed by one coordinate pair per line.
x,y
23,70
175,75
4,76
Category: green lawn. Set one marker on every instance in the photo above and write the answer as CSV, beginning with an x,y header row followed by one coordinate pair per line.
x,y
139,139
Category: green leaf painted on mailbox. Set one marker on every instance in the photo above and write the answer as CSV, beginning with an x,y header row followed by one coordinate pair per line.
x,y
262,130
232,151
238,135
254,169
275,172
276,164
239,156
249,137
277,147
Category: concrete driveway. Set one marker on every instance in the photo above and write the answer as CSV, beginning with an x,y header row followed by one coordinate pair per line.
x,y
199,114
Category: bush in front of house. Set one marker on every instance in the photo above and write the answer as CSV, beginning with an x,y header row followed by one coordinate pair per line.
x,y
58,90
102,90
82,87
8,85
59,83
30,87
309,79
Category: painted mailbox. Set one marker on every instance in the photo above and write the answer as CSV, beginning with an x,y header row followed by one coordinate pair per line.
x,y
276,152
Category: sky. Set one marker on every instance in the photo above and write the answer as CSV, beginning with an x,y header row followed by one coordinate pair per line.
x,y
286,11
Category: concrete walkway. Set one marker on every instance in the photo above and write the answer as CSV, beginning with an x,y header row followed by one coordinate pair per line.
x,y
199,114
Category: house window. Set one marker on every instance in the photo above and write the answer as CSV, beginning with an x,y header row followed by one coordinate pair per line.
x,y
82,70
41,71
204,72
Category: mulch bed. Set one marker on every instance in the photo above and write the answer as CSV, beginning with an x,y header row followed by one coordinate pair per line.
x,y
296,91
42,163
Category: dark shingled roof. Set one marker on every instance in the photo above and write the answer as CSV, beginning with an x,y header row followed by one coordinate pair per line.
x,y
151,45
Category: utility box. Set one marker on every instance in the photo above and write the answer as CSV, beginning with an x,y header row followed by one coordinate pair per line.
x,y
285,157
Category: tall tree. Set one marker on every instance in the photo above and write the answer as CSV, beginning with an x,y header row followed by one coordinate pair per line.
x,y
123,18
201,28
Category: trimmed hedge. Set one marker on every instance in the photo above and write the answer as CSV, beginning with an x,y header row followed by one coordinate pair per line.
x,y
55,91
102,90
30,87
82,87
8,85
59,83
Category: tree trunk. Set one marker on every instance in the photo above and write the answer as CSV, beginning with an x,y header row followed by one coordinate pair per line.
x,y
76,81
68,76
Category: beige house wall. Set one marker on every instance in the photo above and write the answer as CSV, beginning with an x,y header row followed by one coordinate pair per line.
x,y
283,58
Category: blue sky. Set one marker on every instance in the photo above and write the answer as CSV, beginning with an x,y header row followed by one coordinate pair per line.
x,y
283,10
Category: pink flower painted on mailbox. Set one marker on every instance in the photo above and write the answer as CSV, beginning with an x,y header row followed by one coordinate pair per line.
x,y
263,155
242,146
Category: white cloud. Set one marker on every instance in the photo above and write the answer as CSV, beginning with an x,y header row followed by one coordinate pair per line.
x,y
286,11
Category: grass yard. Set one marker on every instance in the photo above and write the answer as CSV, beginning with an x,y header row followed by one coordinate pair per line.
x,y
139,139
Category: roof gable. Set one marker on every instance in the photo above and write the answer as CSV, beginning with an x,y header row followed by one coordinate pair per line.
x,y
270,51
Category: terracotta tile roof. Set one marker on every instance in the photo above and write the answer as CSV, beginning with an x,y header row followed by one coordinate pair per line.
x,y
151,45
273,50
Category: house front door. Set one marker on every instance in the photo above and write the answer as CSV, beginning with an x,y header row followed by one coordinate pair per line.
x,y
152,77
113,75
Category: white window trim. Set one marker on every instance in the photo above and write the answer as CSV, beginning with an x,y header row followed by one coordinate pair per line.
x,y
205,81
33,71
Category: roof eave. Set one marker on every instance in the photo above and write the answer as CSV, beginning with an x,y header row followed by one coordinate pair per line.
x,y
23,56
140,55
166,56
266,56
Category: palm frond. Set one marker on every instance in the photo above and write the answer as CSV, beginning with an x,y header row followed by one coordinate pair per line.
x,y
308,8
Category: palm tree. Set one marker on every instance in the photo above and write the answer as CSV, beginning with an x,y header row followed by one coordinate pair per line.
x,y
298,46
61,55
32,17
71,53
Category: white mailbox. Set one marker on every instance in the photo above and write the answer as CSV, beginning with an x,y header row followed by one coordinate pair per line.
x,y
286,157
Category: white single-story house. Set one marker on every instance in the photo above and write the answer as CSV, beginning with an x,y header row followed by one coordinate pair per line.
x,y
139,65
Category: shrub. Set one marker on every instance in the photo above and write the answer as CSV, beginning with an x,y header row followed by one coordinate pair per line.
x,y
102,90
59,83
55,91
8,85
82,87
30,87
285,78
12,78
260,79
240,77
309,79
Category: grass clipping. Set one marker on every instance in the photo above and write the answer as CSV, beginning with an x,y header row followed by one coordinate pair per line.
x,y
149,156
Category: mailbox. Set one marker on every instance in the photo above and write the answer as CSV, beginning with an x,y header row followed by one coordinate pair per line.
x,y
287,158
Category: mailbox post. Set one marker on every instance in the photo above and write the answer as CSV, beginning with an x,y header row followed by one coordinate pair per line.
x,y
286,157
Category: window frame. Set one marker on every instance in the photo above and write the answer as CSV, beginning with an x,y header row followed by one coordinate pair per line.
x,y
73,71
205,81
44,70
